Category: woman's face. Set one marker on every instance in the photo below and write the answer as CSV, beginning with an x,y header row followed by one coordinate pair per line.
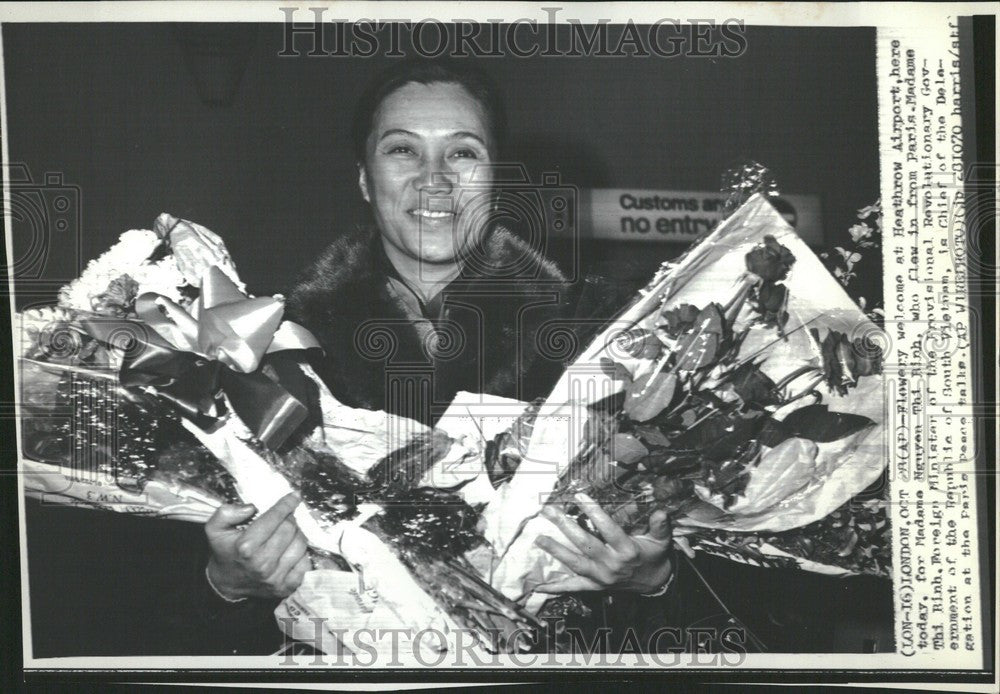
x,y
426,172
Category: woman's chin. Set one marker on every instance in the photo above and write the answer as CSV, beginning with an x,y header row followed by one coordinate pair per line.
x,y
443,250
438,256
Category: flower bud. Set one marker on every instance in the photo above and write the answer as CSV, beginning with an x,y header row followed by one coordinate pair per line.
x,y
770,261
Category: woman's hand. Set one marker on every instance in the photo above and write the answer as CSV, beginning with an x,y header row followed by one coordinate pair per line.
x,y
267,559
622,562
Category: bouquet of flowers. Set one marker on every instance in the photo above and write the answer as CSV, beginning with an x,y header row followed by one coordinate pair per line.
x,y
740,391
158,386
86,439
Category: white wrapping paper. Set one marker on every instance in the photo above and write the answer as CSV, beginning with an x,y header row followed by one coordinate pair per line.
x,y
158,499
361,438
259,484
708,273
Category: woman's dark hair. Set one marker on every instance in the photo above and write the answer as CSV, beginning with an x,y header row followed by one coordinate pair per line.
x,y
428,71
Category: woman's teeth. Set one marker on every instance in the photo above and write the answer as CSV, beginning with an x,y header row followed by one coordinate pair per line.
x,y
431,214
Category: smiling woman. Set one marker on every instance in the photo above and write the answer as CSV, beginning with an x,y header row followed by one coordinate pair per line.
x,y
425,305
426,162
438,295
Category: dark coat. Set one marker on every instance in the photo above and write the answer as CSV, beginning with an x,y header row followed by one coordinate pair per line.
x,y
509,323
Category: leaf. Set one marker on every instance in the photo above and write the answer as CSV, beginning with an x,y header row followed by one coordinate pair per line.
x,y
754,387
700,347
610,403
678,320
710,320
615,370
697,350
773,433
627,449
817,423
647,397
602,420
639,343
719,437
652,435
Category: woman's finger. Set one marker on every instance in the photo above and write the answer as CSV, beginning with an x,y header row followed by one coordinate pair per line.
x,y
584,541
683,545
659,526
617,538
575,562
293,554
264,526
270,553
293,579
228,517
573,584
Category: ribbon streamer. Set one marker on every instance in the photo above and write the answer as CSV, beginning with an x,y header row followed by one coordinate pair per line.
x,y
230,345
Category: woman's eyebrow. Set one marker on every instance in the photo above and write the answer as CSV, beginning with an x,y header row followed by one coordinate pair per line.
x,y
457,135
465,133
397,131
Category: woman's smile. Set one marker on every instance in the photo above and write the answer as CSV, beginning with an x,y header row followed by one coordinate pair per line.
x,y
433,215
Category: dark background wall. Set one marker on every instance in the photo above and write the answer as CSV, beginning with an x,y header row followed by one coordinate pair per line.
x,y
115,109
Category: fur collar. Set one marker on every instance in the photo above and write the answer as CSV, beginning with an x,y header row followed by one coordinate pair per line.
x,y
501,299
351,259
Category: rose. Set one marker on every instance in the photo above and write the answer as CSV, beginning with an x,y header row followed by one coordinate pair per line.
x,y
836,350
771,302
844,362
772,297
754,387
867,360
770,261
669,489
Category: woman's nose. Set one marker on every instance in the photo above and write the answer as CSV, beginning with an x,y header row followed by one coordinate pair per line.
x,y
436,178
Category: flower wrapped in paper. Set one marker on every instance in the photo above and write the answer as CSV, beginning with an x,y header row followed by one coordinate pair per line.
x,y
86,438
739,391
202,397
124,368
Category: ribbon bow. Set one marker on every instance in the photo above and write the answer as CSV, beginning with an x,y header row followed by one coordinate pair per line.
x,y
223,346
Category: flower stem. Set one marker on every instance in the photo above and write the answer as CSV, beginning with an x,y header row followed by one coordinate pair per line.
x,y
763,349
656,369
792,376
806,391
732,309
701,419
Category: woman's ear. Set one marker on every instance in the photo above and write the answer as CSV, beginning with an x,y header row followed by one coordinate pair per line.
x,y
363,183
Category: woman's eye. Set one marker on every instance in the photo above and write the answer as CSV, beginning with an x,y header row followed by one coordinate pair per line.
x,y
400,149
465,154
